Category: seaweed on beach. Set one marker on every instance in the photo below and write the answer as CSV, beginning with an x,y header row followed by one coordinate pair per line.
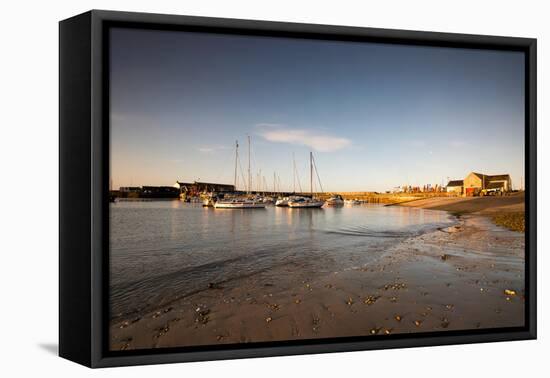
x,y
514,221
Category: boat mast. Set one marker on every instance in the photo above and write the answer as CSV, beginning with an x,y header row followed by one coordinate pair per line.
x,y
317,173
249,181
311,173
236,162
294,175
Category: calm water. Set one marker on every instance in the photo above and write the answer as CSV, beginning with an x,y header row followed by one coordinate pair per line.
x,y
163,249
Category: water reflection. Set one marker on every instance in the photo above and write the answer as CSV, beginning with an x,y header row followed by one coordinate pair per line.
x,y
167,247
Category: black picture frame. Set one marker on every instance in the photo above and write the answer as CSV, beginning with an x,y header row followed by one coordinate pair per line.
x,y
84,191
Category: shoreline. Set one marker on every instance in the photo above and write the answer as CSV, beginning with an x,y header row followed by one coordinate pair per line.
x,y
506,211
467,276
469,205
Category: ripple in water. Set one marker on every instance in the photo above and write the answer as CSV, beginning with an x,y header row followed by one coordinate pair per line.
x,y
164,250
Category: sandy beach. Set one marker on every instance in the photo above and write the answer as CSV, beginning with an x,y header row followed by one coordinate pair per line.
x,y
466,276
472,205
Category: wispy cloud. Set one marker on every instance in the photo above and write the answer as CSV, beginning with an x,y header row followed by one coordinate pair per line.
x,y
211,149
206,150
317,140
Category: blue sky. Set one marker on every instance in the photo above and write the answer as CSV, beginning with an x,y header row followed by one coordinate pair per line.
x,y
375,115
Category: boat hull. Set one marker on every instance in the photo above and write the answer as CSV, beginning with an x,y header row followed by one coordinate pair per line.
x,y
239,205
305,205
281,203
352,202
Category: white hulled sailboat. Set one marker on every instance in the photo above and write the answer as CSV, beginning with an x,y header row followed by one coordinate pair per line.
x,y
240,203
305,202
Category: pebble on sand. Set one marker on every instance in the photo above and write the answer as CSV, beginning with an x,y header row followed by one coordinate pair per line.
x,y
371,299
162,331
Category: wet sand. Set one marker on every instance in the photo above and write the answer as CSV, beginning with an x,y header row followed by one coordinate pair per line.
x,y
467,276
472,205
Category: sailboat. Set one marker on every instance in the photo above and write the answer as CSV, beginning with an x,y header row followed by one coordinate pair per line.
x,y
304,202
240,203
237,203
283,201
335,200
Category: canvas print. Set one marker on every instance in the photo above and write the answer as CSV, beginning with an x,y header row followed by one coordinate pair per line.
x,y
267,189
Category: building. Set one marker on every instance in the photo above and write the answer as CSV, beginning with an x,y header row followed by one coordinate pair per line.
x,y
130,189
195,188
478,183
159,192
129,192
455,186
183,187
148,192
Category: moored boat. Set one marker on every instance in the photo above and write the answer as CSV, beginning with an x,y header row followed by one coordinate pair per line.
x,y
239,204
335,200
302,202
256,202
352,202
282,202
308,202
269,200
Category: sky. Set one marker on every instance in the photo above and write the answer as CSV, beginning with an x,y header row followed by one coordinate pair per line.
x,y
375,116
